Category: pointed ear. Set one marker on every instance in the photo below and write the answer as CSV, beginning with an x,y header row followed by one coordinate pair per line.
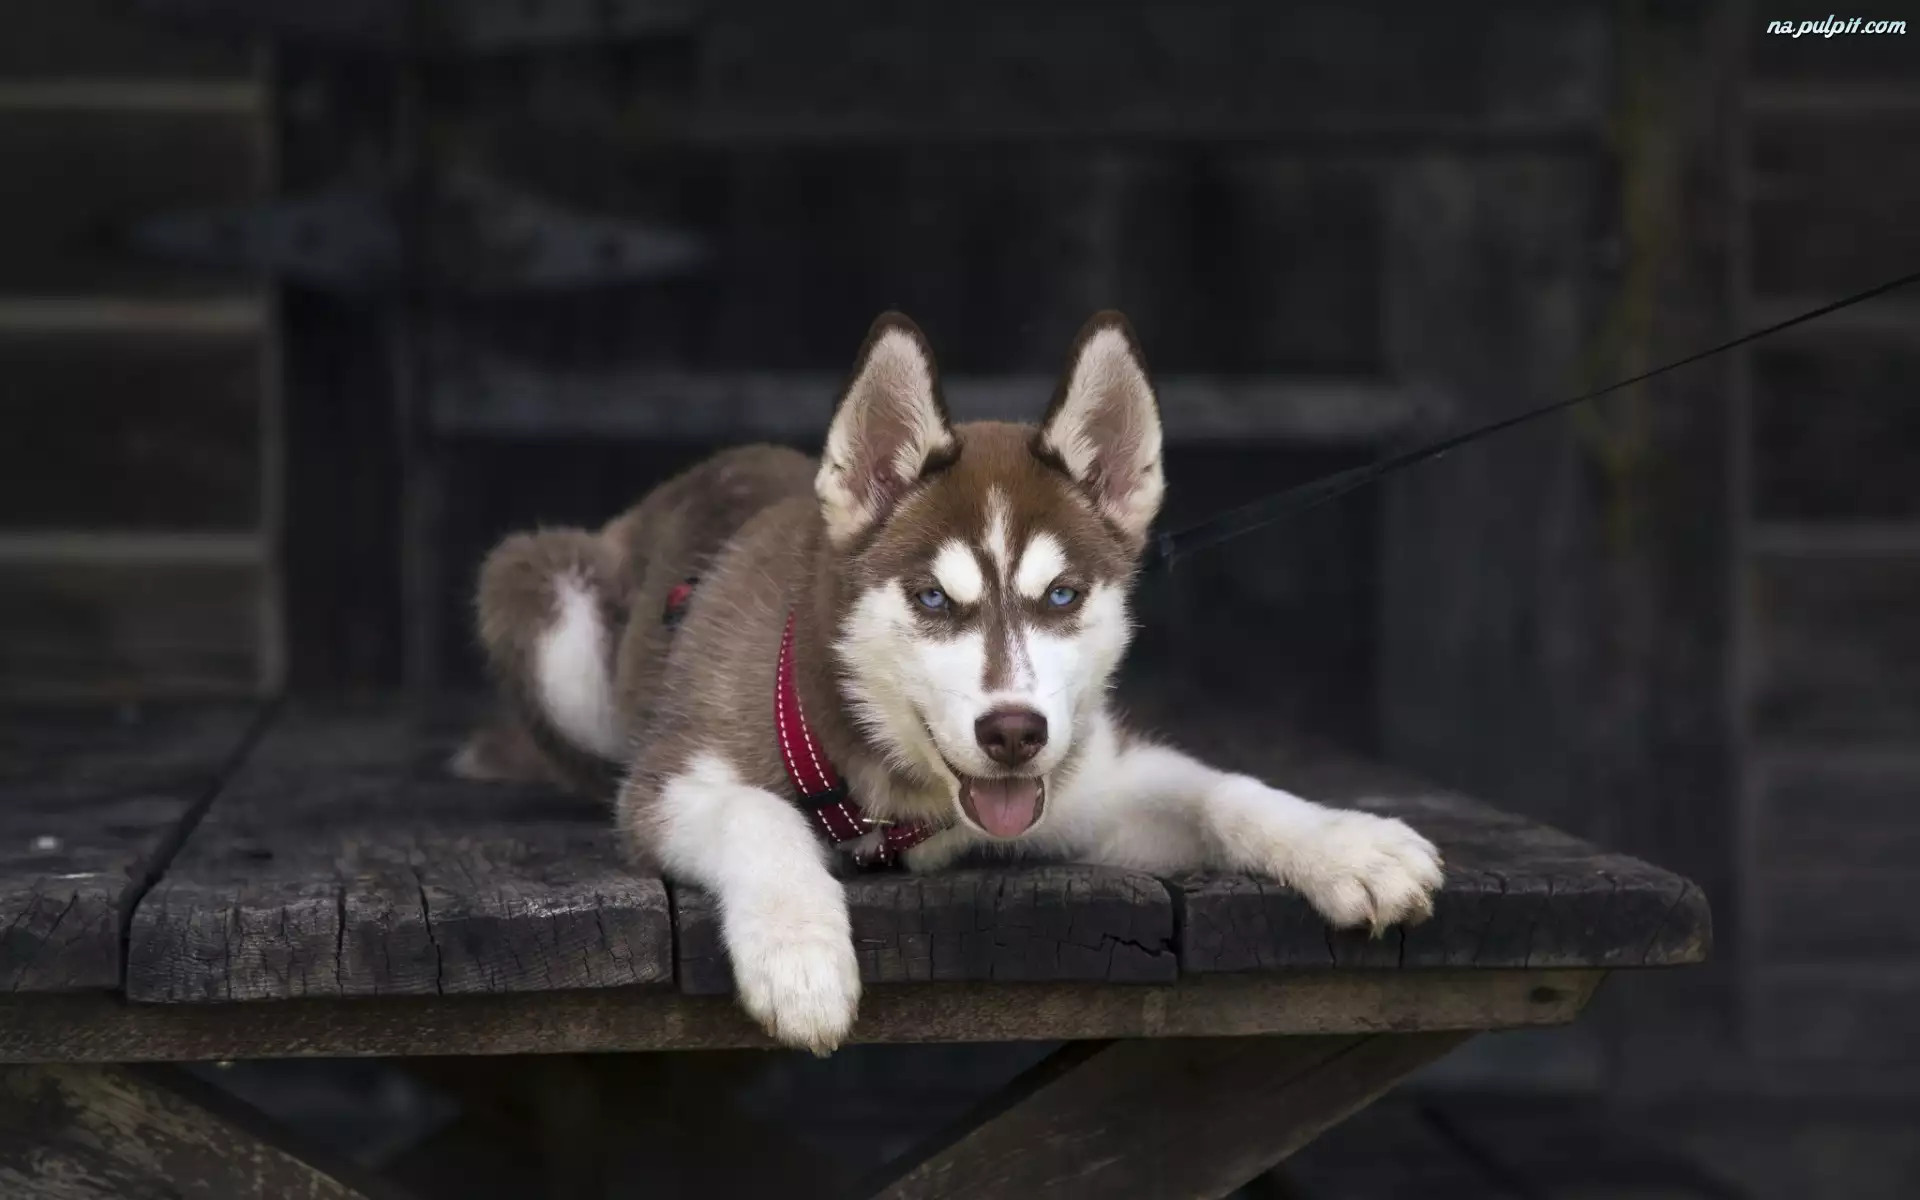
x,y
890,426
1104,426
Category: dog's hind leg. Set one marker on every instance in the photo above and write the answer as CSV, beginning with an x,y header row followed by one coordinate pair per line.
x,y
551,606
502,750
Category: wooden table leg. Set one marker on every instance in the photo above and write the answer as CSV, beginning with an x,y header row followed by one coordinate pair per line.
x,y
90,1132
1160,1118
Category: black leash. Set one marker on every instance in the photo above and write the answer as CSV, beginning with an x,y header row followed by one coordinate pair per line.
x,y
1166,548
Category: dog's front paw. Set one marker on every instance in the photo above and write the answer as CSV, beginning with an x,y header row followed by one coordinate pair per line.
x,y
796,973
1358,869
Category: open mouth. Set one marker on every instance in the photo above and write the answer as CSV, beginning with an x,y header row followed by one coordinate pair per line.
x,y
1005,806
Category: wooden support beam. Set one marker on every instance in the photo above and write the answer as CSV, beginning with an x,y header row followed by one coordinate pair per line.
x,y
1161,1119
101,1028
75,1132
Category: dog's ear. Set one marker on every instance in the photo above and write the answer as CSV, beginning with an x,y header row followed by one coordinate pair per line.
x,y
891,425
1103,427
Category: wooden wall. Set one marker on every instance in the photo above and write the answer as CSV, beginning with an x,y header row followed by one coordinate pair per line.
x,y
137,483
1681,623
1226,173
1827,586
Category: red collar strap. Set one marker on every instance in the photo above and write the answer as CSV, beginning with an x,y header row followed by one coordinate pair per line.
x,y
821,790
678,597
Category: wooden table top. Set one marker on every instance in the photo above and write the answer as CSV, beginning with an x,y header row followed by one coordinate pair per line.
x,y
210,857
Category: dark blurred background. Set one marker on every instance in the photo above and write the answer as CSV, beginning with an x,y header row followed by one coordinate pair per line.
x,y
303,304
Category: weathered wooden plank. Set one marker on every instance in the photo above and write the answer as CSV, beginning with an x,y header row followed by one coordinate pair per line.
x,y
83,1028
75,1132
1037,925
1831,199
1154,1119
1836,433
100,39
1838,653
134,432
1517,894
77,181
92,801
345,861
1838,816
106,629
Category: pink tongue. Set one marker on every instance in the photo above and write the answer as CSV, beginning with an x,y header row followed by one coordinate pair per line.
x,y
1004,807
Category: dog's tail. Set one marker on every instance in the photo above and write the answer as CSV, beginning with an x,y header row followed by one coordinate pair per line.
x,y
551,608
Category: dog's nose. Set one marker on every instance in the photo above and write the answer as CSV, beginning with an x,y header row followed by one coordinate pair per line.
x,y
1011,736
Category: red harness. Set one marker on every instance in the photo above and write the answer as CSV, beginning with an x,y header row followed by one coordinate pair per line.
x,y
821,790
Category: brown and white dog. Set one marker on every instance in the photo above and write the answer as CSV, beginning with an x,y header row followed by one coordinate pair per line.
x,y
930,616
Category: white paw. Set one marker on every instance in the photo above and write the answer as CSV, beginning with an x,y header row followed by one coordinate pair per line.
x,y
1358,869
794,967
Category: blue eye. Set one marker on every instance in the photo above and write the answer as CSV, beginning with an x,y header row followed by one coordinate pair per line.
x,y
931,598
1060,597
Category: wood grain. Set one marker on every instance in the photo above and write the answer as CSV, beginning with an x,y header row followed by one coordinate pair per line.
x,y
92,800
1029,925
344,861
101,1028
1517,894
1163,1119
77,1132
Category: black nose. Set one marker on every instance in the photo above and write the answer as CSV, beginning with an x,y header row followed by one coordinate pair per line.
x,y
1011,736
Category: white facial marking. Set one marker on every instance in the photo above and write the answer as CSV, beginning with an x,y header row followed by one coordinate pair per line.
x,y
1040,564
997,532
918,696
959,573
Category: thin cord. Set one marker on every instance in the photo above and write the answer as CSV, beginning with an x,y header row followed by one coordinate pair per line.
x,y
1168,547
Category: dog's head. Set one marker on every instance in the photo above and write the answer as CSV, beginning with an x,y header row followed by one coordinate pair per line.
x,y
985,567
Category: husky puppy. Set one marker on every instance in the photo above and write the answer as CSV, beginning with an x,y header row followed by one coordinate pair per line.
x,y
784,669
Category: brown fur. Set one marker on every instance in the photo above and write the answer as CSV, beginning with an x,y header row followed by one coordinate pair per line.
x,y
632,564
748,523
718,675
